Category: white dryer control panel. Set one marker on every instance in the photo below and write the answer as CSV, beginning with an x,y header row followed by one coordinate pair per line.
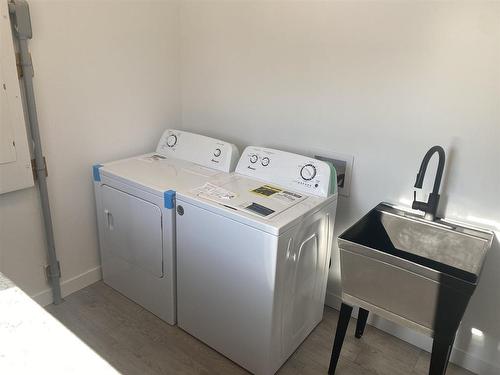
x,y
199,149
293,171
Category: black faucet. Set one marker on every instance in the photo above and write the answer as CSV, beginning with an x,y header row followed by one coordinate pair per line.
x,y
429,207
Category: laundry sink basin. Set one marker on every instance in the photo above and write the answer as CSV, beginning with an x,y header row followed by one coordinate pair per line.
x,y
416,272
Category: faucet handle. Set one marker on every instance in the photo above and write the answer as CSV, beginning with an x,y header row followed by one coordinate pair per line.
x,y
417,205
419,180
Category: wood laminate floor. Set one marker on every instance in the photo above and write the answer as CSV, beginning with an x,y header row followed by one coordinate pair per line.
x,y
135,341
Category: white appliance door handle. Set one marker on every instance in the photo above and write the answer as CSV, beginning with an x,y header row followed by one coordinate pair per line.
x,y
311,237
288,249
109,219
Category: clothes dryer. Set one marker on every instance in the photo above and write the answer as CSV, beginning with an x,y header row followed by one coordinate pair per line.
x,y
136,216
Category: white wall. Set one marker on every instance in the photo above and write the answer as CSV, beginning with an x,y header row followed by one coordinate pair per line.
x,y
106,83
380,81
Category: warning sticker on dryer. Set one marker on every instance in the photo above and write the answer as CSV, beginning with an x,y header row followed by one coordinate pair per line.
x,y
153,158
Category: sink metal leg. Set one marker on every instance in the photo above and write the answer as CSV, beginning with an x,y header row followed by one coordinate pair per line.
x,y
441,350
343,322
361,324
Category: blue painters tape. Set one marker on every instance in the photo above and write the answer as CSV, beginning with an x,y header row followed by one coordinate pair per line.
x,y
168,197
95,172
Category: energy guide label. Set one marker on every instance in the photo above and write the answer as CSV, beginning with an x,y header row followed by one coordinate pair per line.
x,y
288,196
270,191
266,190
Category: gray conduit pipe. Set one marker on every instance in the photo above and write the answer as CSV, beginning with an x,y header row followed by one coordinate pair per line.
x,y
19,11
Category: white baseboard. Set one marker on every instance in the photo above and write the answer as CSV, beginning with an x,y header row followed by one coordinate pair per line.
x,y
69,286
332,300
458,356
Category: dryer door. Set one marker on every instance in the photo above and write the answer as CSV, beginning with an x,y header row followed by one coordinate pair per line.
x,y
132,230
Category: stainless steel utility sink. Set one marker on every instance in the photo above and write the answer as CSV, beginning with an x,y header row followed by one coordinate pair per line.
x,y
418,273
415,272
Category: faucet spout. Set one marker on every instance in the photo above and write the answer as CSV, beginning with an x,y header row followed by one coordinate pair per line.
x,y
430,207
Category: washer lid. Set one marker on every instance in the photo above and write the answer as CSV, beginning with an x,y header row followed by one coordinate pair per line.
x,y
234,196
251,196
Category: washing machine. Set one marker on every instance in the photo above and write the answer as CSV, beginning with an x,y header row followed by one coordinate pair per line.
x,y
253,253
136,216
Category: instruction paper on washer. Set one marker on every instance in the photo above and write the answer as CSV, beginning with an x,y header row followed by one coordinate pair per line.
x,y
212,191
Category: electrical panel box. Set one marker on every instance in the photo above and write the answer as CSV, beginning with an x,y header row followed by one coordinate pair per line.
x,y
15,160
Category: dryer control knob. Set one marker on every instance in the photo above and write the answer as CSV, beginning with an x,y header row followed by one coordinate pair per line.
x,y
217,152
171,140
254,158
308,172
265,161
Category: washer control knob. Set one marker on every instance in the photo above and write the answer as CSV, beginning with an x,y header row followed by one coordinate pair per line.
x,y
307,172
171,140
253,158
265,161
217,152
